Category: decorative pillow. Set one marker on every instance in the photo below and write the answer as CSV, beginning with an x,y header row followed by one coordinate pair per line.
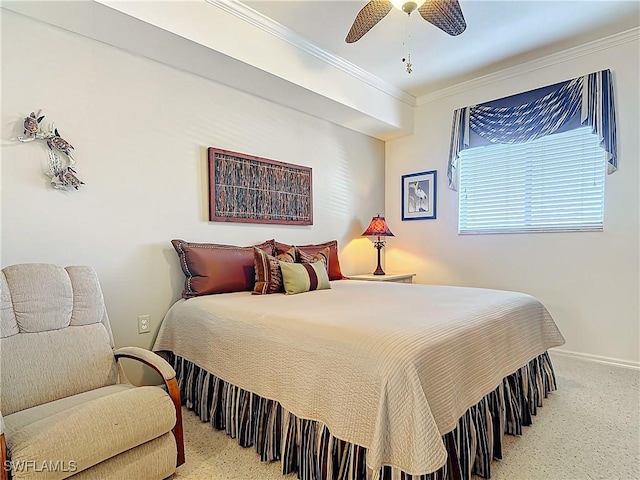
x,y
214,268
268,273
334,262
321,256
304,277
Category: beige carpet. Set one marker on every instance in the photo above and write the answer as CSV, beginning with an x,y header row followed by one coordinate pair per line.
x,y
588,429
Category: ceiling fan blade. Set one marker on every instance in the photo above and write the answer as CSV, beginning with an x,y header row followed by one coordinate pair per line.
x,y
371,13
444,14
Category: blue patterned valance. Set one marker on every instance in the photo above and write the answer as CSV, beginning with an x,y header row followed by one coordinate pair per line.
x,y
583,101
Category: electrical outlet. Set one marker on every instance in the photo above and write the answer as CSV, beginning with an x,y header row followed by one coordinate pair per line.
x,y
143,324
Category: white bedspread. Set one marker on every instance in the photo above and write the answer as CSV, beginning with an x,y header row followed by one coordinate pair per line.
x,y
387,366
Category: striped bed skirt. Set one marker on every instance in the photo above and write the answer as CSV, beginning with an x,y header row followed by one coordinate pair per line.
x,y
307,448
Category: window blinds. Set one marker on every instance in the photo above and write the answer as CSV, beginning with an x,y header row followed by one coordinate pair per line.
x,y
554,183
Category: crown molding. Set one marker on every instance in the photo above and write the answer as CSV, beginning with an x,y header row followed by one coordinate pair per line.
x,y
274,28
527,67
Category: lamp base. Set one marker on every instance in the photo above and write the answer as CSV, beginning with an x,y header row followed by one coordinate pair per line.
x,y
378,245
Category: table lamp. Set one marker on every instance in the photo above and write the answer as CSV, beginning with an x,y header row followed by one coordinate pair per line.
x,y
378,228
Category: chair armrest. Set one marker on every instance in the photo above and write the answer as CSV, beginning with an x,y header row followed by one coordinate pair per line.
x,y
4,473
149,358
167,372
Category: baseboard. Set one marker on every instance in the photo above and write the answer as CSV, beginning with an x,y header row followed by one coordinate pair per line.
x,y
596,358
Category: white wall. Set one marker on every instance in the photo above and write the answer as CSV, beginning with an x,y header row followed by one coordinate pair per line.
x,y
588,281
140,131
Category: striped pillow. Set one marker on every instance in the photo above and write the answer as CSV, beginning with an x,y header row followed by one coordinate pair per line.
x,y
268,274
334,261
321,256
304,277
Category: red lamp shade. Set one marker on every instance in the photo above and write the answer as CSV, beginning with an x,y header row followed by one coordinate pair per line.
x,y
378,228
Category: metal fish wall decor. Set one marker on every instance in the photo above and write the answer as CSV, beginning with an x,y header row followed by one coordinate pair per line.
x,y
61,161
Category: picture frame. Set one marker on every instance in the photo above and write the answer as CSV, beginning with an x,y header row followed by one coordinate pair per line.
x,y
419,195
248,189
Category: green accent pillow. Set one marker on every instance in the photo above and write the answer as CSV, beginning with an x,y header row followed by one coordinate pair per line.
x,y
304,277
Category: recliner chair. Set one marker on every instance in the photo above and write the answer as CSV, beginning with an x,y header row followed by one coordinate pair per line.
x,y
65,407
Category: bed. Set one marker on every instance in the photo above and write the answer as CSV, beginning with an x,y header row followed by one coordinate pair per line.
x,y
365,379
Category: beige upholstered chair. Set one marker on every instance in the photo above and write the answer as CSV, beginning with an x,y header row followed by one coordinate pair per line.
x,y
66,409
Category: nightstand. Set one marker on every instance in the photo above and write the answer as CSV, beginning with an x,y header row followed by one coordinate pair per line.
x,y
389,277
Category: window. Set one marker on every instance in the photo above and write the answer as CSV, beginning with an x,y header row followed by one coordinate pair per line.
x,y
554,183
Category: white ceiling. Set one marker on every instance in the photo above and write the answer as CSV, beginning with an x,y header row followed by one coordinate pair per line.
x,y
292,52
499,34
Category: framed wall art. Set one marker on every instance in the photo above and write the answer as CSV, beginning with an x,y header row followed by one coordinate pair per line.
x,y
419,195
244,188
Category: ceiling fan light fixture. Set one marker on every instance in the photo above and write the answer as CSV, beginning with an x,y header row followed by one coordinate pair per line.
x,y
407,6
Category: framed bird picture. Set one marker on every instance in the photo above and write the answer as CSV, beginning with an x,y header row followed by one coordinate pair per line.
x,y
419,195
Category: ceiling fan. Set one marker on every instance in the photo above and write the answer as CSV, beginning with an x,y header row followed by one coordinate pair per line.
x,y
444,14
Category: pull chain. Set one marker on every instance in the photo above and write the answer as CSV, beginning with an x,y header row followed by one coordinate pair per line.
x,y
406,43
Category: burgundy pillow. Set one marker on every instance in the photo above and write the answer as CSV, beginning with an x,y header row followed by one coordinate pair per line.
x,y
334,262
268,274
213,268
